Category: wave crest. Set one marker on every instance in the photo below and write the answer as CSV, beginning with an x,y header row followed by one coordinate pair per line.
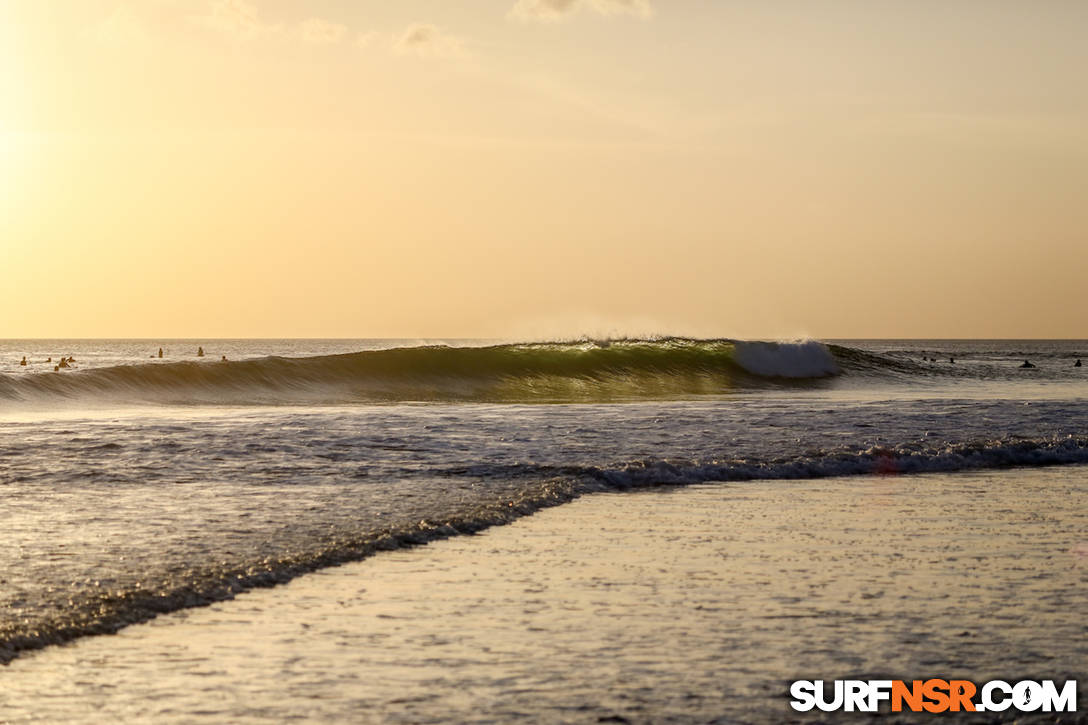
x,y
547,371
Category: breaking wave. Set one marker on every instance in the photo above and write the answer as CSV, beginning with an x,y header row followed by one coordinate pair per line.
x,y
585,370
547,371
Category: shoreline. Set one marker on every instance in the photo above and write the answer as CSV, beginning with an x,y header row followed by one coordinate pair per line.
x,y
101,611
112,614
659,605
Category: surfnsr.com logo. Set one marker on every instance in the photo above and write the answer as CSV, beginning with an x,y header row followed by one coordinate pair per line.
x,y
933,696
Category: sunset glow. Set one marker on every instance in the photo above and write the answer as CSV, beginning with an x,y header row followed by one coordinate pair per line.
x,y
835,169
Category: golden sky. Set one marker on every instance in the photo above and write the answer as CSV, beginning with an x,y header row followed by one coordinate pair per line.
x,y
541,168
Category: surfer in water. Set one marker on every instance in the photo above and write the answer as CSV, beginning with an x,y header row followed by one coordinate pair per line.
x,y
200,352
160,353
1027,364
23,363
1077,363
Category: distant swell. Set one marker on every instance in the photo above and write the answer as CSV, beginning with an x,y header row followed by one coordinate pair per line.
x,y
563,371
906,458
892,460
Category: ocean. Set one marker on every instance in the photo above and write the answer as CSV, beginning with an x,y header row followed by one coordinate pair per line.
x,y
134,485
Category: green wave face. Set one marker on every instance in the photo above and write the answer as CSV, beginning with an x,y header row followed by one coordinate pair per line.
x,y
533,372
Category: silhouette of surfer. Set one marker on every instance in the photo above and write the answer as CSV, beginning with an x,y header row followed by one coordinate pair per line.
x,y
200,352
1077,363
1027,364
952,360
160,352
224,358
63,363
23,363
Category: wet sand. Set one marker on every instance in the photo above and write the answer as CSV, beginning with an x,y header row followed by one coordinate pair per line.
x,y
671,605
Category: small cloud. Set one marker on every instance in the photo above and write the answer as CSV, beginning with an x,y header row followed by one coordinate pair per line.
x,y
235,17
641,8
321,32
556,10
546,10
428,41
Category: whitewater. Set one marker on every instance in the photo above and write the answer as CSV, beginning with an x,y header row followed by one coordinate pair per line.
x,y
135,485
